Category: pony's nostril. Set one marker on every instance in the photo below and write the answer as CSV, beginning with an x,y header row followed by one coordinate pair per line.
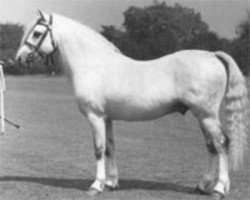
x,y
19,59
31,56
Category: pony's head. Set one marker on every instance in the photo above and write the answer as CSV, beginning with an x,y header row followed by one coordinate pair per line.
x,y
38,40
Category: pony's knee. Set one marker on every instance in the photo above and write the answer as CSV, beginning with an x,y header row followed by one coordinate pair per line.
x,y
109,151
216,140
225,141
218,144
99,151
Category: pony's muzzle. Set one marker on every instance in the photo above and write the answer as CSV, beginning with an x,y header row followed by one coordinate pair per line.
x,y
21,61
20,58
25,58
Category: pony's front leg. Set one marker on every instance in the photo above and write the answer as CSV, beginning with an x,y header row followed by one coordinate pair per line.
x,y
98,129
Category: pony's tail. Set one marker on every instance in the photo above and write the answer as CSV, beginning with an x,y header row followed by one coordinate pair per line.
x,y
236,100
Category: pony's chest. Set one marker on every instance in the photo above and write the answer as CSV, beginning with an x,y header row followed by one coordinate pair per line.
x,y
89,93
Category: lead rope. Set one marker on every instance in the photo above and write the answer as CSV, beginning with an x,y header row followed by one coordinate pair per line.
x,y
2,90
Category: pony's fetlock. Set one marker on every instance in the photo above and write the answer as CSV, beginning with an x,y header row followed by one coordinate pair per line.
x,y
222,187
98,185
112,182
217,196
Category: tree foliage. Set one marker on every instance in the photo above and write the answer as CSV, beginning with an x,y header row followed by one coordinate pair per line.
x,y
10,36
159,29
240,47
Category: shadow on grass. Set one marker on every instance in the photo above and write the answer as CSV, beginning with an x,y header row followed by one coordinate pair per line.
x,y
83,184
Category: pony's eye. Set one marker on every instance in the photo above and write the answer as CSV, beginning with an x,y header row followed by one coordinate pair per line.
x,y
37,34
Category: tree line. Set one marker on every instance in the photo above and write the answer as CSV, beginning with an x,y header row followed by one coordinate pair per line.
x,y
148,33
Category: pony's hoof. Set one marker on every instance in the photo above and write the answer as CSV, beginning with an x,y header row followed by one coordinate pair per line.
x,y
217,196
93,192
111,188
198,190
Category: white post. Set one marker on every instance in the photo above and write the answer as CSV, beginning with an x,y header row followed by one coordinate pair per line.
x,y
2,90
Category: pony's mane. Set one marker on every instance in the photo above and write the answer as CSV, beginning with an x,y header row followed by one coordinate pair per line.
x,y
97,37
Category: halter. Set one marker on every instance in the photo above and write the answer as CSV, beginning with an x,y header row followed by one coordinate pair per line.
x,y
36,48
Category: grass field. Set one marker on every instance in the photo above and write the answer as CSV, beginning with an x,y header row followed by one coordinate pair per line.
x,y
51,156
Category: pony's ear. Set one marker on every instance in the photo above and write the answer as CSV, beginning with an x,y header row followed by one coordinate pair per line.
x,y
41,15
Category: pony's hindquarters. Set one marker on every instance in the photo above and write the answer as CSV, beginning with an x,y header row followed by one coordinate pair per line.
x,y
236,99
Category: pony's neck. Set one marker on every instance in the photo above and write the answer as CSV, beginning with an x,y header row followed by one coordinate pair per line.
x,y
78,44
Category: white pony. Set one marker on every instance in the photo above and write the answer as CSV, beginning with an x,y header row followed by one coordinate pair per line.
x,y
110,86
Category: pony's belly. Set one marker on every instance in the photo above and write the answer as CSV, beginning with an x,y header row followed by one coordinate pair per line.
x,y
138,112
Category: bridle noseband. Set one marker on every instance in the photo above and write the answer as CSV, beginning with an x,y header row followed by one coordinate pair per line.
x,y
36,48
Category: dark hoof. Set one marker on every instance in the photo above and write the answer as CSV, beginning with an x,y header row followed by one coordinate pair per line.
x,y
111,188
93,192
200,191
217,196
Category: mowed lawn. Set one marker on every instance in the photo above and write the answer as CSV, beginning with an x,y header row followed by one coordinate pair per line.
x,y
51,157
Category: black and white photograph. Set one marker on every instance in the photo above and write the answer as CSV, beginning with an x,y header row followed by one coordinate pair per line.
x,y
124,99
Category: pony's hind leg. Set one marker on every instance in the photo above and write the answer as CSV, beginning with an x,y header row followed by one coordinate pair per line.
x,y
217,145
206,185
112,172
